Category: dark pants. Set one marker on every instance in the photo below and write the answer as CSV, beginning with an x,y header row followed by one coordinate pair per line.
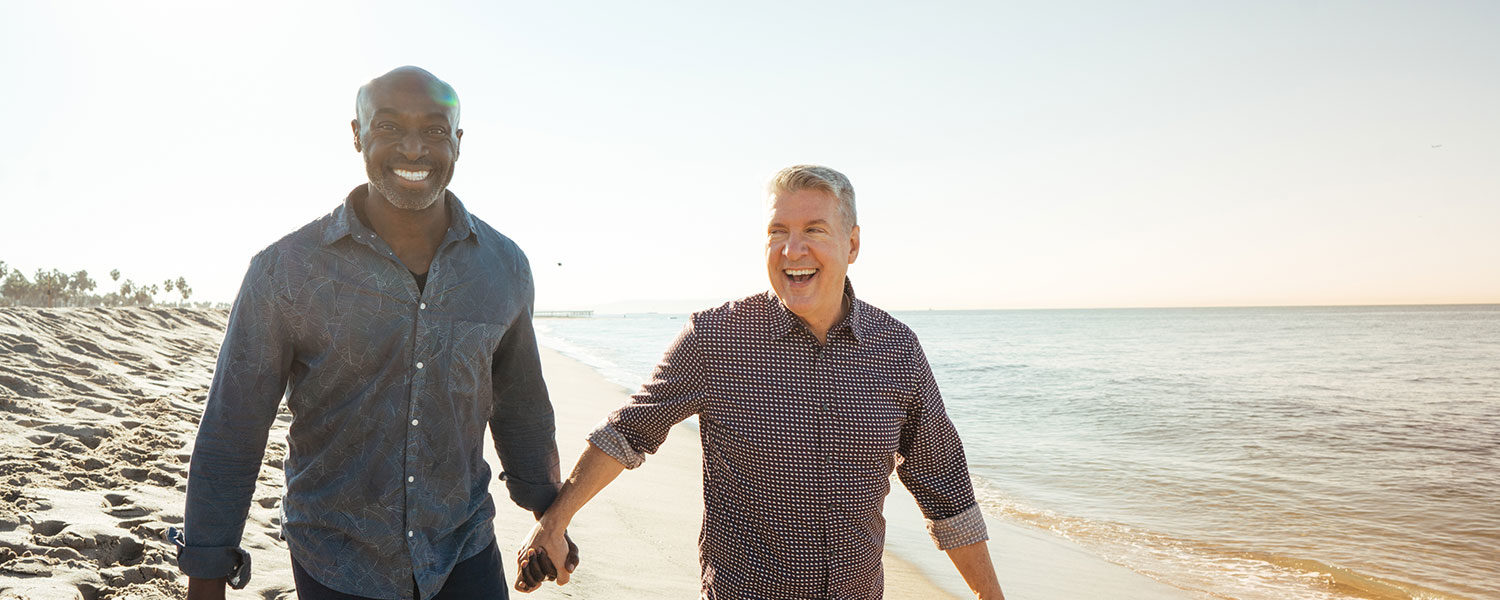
x,y
480,577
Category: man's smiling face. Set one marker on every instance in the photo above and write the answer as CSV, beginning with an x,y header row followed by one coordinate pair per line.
x,y
808,251
407,130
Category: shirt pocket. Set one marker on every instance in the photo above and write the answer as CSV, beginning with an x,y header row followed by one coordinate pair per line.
x,y
471,354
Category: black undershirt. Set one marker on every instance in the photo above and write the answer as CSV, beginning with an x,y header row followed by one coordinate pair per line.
x,y
359,211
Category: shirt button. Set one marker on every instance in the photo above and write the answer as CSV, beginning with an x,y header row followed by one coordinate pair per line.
x,y
410,479
419,365
410,533
413,421
422,306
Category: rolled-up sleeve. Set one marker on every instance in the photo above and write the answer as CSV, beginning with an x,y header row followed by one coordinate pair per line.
x,y
249,382
523,424
933,466
674,393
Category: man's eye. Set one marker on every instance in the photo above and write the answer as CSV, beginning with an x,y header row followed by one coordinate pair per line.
x,y
437,131
386,127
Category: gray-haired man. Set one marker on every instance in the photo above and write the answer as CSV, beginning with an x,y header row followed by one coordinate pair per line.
x,y
807,399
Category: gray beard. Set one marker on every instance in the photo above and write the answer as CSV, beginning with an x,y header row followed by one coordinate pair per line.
x,y
405,199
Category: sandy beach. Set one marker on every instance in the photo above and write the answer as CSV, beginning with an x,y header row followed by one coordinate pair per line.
x,y
98,408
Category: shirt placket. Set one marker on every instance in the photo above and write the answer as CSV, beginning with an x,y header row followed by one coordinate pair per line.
x,y
821,394
420,352
427,338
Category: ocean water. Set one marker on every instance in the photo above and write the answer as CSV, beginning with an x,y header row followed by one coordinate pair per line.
x,y
1242,453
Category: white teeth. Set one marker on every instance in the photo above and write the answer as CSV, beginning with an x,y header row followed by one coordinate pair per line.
x,y
800,272
411,175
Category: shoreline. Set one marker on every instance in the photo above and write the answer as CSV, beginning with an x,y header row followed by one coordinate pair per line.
x,y
100,411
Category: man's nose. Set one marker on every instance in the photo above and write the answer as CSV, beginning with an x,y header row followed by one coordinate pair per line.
x,y
795,247
411,146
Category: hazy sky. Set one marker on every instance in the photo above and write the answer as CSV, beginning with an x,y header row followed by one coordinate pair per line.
x,y
1005,155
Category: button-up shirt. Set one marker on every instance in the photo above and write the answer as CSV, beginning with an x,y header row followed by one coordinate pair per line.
x,y
390,388
799,441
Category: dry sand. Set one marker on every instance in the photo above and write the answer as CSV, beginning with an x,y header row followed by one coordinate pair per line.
x,y
98,408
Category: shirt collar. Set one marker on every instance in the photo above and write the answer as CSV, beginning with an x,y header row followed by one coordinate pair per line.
x,y
346,221
783,321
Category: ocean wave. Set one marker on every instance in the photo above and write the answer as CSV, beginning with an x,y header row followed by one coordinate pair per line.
x,y
1215,569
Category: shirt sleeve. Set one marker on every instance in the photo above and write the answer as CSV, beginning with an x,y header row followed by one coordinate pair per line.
x,y
523,425
674,393
249,382
933,466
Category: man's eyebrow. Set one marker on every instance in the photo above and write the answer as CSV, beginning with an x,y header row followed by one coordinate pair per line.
x,y
436,116
812,222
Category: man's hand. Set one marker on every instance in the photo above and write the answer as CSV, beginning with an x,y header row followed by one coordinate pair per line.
x,y
549,538
534,560
206,589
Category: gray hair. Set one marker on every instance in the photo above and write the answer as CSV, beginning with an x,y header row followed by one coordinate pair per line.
x,y
817,177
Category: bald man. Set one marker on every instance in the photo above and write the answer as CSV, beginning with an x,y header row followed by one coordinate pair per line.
x,y
397,327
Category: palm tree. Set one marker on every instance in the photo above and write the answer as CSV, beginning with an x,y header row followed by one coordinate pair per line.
x,y
79,287
51,286
182,288
15,288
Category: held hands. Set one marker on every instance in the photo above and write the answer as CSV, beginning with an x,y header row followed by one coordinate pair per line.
x,y
535,562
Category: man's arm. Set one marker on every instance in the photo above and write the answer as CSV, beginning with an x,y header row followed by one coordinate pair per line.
x,y
249,380
934,469
674,393
522,421
973,562
595,470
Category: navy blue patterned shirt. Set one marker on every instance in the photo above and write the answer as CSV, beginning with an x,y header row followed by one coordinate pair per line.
x,y
799,442
390,387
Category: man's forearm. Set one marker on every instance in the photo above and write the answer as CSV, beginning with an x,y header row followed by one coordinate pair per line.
x,y
973,562
594,470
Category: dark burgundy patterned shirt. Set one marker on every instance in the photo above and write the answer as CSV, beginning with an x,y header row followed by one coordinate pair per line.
x,y
799,441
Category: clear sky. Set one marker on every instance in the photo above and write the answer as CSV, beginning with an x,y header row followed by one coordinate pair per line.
x,y
1056,154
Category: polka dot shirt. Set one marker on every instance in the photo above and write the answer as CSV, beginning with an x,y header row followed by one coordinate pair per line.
x,y
799,442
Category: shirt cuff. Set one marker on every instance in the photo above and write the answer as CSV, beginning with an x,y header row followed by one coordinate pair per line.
x,y
211,562
959,530
609,440
530,496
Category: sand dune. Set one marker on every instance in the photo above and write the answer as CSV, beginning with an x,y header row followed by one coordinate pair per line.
x,y
99,409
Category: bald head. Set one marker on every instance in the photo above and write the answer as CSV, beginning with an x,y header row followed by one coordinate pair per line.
x,y
405,80
406,126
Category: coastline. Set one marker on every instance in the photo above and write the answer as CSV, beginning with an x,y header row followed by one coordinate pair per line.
x,y
100,410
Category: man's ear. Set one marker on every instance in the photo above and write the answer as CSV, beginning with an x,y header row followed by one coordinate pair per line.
x,y
354,125
459,133
853,244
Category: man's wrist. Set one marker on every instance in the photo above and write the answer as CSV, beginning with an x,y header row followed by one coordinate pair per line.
x,y
206,589
554,521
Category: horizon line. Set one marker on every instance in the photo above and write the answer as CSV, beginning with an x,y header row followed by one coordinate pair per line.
x,y
1160,307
